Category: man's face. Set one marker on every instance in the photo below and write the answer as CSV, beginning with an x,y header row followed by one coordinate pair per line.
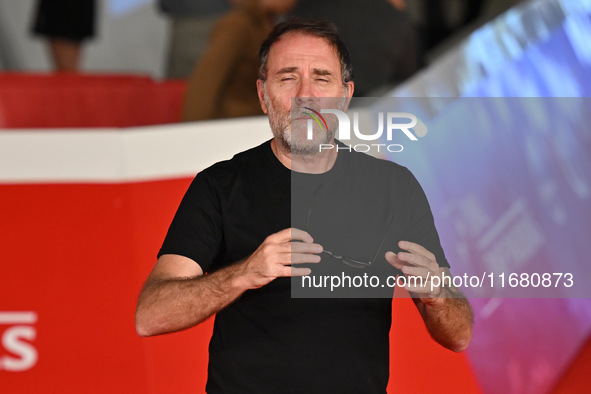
x,y
307,67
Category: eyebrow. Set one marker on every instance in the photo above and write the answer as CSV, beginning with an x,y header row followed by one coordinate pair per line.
x,y
316,71
322,72
286,70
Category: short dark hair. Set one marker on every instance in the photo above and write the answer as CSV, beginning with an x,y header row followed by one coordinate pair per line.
x,y
318,28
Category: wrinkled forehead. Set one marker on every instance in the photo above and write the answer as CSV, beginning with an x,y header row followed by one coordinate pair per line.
x,y
297,44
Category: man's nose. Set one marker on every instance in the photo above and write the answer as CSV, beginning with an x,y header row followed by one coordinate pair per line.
x,y
305,89
304,94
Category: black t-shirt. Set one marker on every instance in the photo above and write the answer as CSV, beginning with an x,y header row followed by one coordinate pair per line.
x,y
267,341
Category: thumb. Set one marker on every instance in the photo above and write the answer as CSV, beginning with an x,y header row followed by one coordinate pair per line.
x,y
393,259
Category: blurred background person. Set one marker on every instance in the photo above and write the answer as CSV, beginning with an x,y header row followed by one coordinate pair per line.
x,y
192,22
66,24
382,40
221,84
442,18
443,24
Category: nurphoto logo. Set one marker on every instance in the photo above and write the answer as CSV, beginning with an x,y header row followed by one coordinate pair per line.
x,y
395,122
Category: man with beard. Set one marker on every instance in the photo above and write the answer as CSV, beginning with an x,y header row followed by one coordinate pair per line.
x,y
236,224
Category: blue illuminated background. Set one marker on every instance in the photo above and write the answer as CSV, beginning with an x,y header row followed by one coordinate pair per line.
x,y
506,167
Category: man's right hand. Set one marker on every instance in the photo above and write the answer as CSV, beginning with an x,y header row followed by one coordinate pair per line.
x,y
278,256
177,295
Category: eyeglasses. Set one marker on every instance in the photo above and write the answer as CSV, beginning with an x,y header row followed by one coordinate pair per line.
x,y
349,262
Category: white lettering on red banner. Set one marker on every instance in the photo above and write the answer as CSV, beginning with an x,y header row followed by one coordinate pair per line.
x,y
17,353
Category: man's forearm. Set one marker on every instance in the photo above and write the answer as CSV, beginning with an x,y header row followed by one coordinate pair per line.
x,y
168,302
168,305
448,320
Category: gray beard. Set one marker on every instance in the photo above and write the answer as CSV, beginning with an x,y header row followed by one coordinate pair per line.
x,y
294,140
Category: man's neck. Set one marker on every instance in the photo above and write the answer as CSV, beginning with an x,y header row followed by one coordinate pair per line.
x,y
313,164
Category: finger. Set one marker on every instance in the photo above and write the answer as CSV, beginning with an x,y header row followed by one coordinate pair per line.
x,y
289,234
393,259
294,271
403,259
417,260
289,258
302,247
415,271
281,236
302,258
416,248
300,235
294,247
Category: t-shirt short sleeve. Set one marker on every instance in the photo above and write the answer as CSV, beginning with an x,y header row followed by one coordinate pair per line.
x,y
422,226
196,230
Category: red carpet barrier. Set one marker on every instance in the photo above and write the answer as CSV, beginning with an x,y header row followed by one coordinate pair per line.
x,y
80,100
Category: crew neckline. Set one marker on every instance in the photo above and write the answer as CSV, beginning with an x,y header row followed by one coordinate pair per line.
x,y
328,175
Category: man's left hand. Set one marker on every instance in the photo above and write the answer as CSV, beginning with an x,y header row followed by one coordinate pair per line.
x,y
416,261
